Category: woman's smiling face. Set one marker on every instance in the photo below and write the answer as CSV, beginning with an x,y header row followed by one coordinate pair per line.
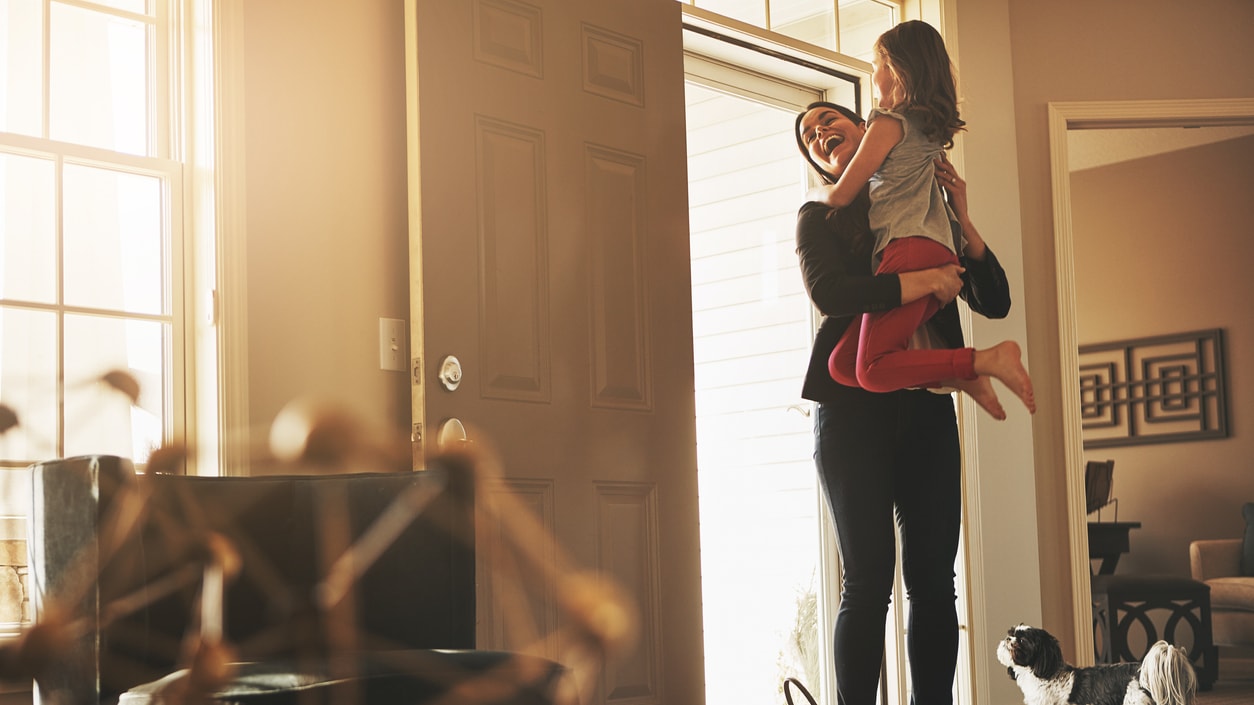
x,y
830,139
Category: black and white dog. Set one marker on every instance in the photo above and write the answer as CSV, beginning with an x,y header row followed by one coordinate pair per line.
x,y
1034,660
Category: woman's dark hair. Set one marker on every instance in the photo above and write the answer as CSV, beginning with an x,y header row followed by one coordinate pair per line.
x,y
915,52
856,236
801,145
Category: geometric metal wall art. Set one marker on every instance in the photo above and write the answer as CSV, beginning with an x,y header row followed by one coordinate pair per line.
x,y
1163,389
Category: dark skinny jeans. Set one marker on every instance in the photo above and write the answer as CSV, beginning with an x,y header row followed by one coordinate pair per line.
x,y
881,456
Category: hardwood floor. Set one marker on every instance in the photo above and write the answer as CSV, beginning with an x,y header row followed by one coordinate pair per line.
x,y
1235,685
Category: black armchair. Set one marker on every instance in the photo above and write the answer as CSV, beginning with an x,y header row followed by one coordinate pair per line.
x,y
127,566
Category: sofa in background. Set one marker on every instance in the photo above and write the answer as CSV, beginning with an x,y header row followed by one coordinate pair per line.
x,y
124,554
1227,566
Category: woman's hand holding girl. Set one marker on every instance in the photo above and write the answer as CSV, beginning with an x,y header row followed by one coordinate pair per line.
x,y
956,187
942,282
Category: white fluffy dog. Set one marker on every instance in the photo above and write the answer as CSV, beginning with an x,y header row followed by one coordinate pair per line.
x,y
1034,660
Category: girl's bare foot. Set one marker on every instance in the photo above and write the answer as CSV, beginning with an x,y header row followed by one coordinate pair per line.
x,y
981,392
1003,361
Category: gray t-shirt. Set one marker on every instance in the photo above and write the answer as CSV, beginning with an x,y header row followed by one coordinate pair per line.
x,y
906,200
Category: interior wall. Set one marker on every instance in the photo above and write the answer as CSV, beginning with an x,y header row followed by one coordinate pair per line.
x,y
326,214
1190,272
1000,497
1076,50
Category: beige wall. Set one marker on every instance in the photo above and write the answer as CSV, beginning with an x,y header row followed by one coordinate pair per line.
x,y
1143,270
1076,50
1005,588
326,218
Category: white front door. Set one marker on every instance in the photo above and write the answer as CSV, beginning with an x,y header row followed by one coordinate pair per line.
x,y
550,256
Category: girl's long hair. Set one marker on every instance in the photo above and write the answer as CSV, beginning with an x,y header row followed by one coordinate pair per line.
x,y
915,52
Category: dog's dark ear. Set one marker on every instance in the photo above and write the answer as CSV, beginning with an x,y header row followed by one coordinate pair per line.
x,y
1011,672
1048,655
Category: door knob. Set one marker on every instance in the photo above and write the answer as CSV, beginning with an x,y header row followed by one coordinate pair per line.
x,y
452,434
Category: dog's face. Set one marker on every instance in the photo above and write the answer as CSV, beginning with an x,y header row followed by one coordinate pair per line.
x,y
1030,649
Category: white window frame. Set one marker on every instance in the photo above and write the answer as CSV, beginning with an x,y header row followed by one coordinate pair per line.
x,y
905,9
182,114
181,140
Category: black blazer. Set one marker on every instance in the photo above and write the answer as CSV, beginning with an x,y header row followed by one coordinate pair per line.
x,y
834,248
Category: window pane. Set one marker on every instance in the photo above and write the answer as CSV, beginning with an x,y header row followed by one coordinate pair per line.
x,y
750,11
139,7
113,240
99,419
27,220
14,505
861,23
816,22
812,21
99,68
28,383
21,55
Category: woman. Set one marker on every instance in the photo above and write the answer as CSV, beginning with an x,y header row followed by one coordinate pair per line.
x,y
894,454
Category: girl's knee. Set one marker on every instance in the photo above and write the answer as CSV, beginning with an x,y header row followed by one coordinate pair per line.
x,y
870,379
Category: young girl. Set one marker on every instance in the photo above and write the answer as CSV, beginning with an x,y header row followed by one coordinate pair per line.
x,y
914,124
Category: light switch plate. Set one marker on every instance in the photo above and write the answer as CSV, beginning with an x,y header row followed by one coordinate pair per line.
x,y
392,343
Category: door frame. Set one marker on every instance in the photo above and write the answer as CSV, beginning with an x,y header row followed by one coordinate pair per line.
x,y
1092,115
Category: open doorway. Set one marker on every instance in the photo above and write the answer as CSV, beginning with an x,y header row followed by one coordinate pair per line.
x,y
1065,118
762,558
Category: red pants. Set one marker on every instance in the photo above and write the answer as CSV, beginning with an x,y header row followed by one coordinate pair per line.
x,y
873,352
